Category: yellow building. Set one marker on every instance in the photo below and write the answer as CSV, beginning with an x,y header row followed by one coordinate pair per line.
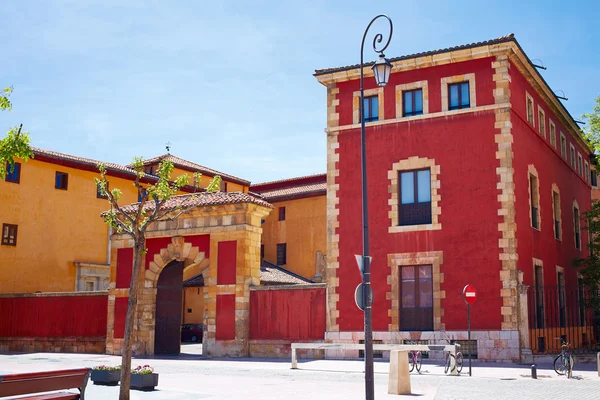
x,y
294,234
53,239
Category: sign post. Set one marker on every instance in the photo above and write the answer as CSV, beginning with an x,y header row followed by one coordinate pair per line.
x,y
469,295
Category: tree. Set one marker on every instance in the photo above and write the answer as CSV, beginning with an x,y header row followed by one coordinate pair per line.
x,y
592,131
134,220
16,142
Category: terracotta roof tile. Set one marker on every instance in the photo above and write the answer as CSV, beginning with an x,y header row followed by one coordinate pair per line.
x,y
304,186
80,160
180,162
270,273
201,200
291,180
502,39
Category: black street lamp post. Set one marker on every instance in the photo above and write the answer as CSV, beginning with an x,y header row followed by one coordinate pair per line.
x,y
381,70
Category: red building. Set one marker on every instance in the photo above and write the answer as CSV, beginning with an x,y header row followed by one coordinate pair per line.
x,y
464,146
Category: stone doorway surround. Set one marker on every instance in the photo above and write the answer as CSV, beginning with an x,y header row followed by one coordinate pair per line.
x,y
225,217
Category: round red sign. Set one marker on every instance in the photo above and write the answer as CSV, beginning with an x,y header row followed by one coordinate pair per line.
x,y
469,294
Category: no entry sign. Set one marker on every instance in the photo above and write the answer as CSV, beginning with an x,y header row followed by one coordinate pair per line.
x,y
469,294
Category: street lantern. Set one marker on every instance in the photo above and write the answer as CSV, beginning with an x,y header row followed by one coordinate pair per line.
x,y
382,69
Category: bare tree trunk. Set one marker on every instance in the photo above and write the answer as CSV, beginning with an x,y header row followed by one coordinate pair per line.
x,y
138,249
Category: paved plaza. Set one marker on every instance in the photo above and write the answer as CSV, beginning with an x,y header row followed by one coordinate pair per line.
x,y
192,376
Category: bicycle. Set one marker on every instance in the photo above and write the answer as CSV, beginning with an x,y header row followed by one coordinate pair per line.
x,y
415,360
563,363
454,361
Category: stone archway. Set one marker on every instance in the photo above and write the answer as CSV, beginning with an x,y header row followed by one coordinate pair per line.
x,y
168,309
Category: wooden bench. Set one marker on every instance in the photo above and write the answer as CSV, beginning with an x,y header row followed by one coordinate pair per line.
x,y
39,382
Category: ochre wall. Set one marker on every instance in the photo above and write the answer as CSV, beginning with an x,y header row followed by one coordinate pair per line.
x,y
55,227
193,299
304,231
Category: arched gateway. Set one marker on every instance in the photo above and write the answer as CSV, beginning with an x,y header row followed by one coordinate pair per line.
x,y
220,239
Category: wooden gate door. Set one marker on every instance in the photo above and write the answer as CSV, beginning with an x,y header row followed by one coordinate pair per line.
x,y
167,331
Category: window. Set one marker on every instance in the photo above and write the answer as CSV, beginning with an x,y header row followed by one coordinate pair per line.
x,y
141,194
371,109
534,201
13,173
412,102
530,114
587,172
539,296
9,234
101,194
552,134
577,226
416,298
89,286
61,181
562,309
281,254
593,178
542,121
579,164
415,197
458,96
223,186
563,145
149,170
573,162
281,213
556,210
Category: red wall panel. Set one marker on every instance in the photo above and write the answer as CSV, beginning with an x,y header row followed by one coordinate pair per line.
x,y
155,245
291,314
226,265
225,317
120,316
124,267
56,316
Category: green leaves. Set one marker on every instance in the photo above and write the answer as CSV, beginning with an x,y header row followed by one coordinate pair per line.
x,y
590,267
14,145
592,130
5,103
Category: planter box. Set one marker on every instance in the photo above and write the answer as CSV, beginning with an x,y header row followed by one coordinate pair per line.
x,y
144,382
100,377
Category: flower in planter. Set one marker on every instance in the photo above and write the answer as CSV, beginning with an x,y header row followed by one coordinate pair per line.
x,y
106,368
142,370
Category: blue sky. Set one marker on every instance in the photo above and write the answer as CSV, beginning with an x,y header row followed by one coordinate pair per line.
x,y
229,83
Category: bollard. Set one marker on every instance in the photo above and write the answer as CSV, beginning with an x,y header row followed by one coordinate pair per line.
x,y
399,377
533,371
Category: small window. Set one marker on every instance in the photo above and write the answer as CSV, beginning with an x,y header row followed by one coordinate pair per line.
x,y
587,172
573,162
412,102
281,213
530,114
223,187
149,170
61,181
371,109
89,286
593,178
576,222
579,164
9,234
141,194
542,122
281,254
13,173
557,227
552,134
563,146
100,193
415,197
458,96
534,200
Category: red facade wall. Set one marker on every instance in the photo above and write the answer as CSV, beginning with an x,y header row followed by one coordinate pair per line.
x,y
124,267
225,320
291,314
226,262
120,316
53,316
532,148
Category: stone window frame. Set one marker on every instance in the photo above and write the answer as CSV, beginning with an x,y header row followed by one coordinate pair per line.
x,y
444,82
541,121
579,164
587,171
400,89
572,158
552,129
528,98
536,262
563,149
556,215
408,164
576,224
531,170
356,107
397,260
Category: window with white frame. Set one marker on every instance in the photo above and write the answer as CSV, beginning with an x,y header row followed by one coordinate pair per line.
x,y
587,171
556,211
542,121
573,160
552,133
534,200
579,164
563,145
577,226
530,112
